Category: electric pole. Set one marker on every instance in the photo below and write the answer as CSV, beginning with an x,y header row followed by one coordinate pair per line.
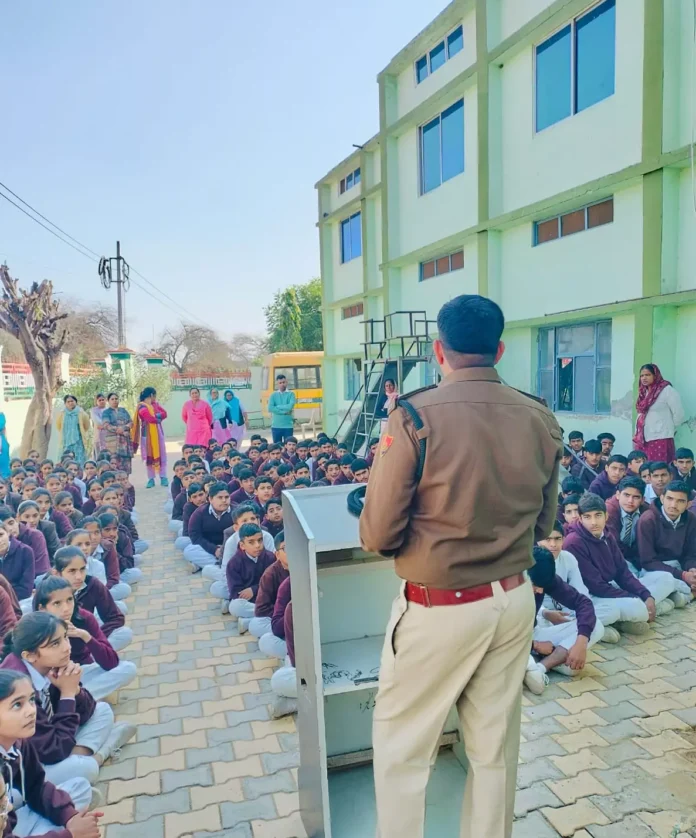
x,y
122,285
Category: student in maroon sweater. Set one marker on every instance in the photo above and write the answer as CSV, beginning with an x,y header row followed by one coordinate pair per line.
x,y
333,472
261,624
45,809
346,475
29,515
682,468
7,497
17,564
244,572
667,536
587,469
44,500
116,534
207,526
245,493
196,497
618,597
286,479
33,539
102,671
71,564
606,482
175,523
273,518
623,512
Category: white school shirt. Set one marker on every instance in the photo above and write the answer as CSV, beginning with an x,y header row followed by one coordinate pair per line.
x,y
233,544
567,569
649,493
96,567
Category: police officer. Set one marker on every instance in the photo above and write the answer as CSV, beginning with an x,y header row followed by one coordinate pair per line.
x,y
460,522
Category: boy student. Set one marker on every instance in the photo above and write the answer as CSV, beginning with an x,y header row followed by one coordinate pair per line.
x,y
281,406
245,493
682,467
659,478
176,521
607,441
207,526
195,497
576,441
244,572
361,470
636,459
260,625
568,511
606,482
667,537
587,470
289,452
286,479
570,628
618,597
273,517
333,471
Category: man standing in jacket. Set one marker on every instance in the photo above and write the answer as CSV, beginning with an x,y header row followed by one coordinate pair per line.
x,y
281,406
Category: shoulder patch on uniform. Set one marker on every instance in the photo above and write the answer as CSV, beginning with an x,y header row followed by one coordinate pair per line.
x,y
387,441
416,392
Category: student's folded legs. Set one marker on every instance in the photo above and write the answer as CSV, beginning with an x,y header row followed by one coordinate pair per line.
x,y
241,608
131,576
122,590
273,647
30,822
120,638
182,542
197,556
102,682
259,626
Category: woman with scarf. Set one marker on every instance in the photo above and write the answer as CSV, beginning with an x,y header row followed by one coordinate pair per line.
x,y
148,431
74,426
198,418
219,410
99,434
117,424
236,417
660,413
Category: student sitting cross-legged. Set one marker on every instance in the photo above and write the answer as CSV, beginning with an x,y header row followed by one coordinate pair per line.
x,y
571,625
195,497
102,671
618,597
261,625
207,526
284,679
244,572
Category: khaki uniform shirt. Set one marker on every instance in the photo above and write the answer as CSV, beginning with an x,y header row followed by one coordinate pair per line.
x,y
489,486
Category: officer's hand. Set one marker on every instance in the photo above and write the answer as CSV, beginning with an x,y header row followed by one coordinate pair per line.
x,y
557,618
543,647
578,653
650,605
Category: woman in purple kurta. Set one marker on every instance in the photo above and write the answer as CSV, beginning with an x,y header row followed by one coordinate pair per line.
x,y
99,432
198,418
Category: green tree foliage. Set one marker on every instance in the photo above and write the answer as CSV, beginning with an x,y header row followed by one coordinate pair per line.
x,y
293,319
129,388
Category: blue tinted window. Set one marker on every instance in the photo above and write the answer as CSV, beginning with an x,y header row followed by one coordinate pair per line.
x,y
455,42
345,241
430,155
595,52
422,69
437,57
349,181
356,177
453,141
355,236
553,80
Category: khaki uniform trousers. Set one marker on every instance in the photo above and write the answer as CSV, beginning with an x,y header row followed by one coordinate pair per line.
x,y
473,656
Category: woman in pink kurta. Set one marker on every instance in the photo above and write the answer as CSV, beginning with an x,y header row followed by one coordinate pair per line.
x,y
198,417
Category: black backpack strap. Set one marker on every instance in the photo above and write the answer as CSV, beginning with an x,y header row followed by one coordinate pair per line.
x,y
418,424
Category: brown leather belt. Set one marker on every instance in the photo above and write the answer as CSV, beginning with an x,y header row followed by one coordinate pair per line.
x,y
429,597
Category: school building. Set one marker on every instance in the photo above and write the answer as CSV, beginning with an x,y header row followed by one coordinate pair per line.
x,y
537,152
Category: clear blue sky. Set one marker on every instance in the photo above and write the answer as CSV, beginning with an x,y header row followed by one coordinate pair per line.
x,y
192,131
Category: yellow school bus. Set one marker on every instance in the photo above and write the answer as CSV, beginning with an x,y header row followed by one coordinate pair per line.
x,y
304,374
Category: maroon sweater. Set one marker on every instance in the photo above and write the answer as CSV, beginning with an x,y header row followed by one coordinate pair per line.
x,y
95,597
207,530
29,778
48,530
17,566
289,633
178,508
98,649
242,572
614,526
189,509
35,540
55,738
270,582
240,496
659,541
112,566
76,495
88,507
281,604
62,522
10,612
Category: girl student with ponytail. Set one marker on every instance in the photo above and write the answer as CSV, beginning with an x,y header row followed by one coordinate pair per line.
x,y
90,594
102,559
74,733
29,803
102,671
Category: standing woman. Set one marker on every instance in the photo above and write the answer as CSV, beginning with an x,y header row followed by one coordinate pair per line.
x,y
198,418
117,424
660,412
149,416
4,448
74,425
99,434
219,411
236,416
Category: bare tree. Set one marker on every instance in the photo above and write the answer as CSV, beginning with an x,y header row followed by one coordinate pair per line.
x,y
92,330
34,318
248,349
185,346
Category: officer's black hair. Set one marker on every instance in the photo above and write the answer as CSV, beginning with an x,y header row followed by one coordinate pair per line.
x,y
471,325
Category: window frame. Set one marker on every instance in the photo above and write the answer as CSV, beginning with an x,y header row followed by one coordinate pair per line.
x,y
572,93
421,159
435,260
346,311
354,378
558,219
597,366
343,182
348,220
445,40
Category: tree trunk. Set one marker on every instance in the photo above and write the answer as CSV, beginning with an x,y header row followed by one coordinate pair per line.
x,y
37,430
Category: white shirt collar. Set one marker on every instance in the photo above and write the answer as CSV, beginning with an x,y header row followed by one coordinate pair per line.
x,y
39,681
213,512
674,524
13,753
254,560
98,550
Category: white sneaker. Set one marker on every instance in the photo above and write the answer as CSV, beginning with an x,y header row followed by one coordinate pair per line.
x,y
536,680
118,737
680,600
611,635
628,627
243,625
225,608
664,607
97,800
566,670
283,707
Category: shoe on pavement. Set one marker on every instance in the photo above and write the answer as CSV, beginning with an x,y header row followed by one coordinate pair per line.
x,y
536,680
150,483
283,707
164,481
225,608
680,600
243,624
628,627
664,607
196,569
97,800
563,669
120,734
611,635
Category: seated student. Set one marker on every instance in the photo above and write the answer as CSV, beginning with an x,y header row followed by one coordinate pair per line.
x,y
327,447
93,596
284,679
271,580
618,597
667,536
16,564
31,538
302,471
102,557
567,461
346,471
74,734
606,482
102,671
263,492
570,486
245,493
17,478
129,493
175,487
333,472
29,486
361,470
176,521
289,450
301,452
302,483
586,471
10,609
44,500
94,490
207,526
71,475
623,517
607,441
113,496
32,804
636,460
659,478
81,539
286,479
113,535
645,474
196,497
570,625
273,517
270,470
28,514
244,572
682,468
576,442
568,511
8,498
63,502
217,469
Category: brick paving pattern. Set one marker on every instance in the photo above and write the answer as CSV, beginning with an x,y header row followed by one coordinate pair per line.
x,y
607,755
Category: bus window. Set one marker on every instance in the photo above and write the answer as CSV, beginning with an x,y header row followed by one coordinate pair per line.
x,y
308,378
288,372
